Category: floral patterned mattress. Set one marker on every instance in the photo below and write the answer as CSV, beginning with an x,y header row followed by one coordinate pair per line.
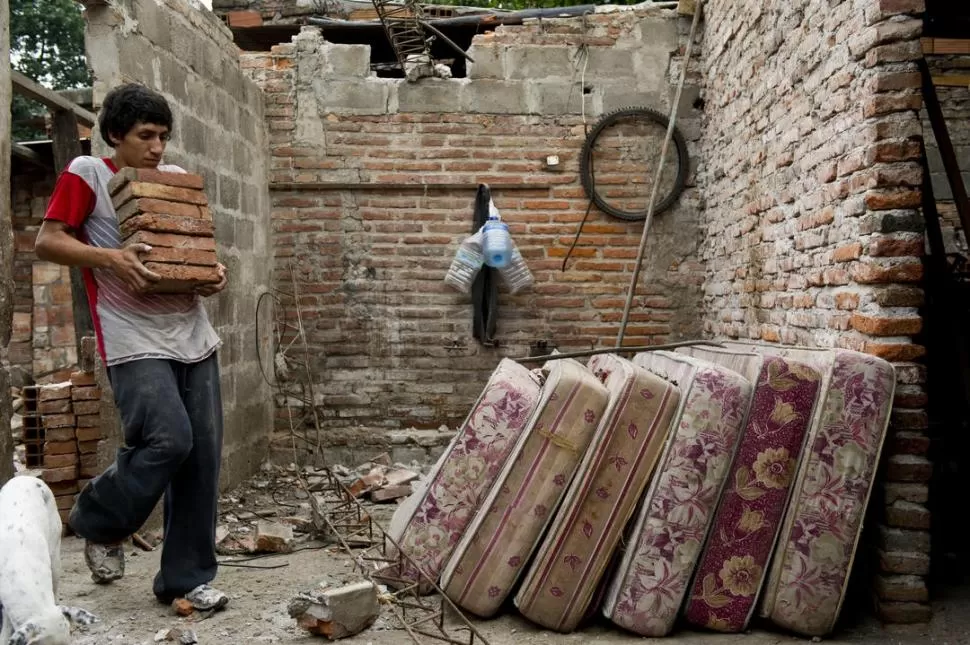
x,y
502,537
743,534
560,585
430,522
646,592
809,573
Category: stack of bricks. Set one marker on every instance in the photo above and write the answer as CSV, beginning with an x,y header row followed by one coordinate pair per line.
x,y
63,435
169,212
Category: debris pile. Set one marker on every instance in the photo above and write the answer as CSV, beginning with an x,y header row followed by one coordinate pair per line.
x,y
337,613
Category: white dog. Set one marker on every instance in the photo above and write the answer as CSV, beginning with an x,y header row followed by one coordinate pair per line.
x,y
30,564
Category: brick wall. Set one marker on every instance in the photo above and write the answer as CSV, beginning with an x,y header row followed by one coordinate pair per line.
x,y
391,343
187,54
6,242
809,167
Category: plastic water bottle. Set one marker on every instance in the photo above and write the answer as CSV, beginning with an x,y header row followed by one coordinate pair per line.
x,y
498,244
467,263
516,273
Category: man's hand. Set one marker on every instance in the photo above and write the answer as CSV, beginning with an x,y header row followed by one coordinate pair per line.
x,y
127,265
212,289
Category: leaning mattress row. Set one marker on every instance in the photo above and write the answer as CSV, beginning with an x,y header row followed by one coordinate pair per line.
x,y
707,483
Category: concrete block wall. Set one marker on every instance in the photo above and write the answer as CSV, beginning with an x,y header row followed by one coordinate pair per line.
x,y
391,343
184,51
810,169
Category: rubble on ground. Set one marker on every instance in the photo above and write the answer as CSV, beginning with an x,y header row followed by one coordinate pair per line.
x,y
176,635
337,613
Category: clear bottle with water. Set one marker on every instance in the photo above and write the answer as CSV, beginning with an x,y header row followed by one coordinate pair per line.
x,y
516,273
467,263
497,244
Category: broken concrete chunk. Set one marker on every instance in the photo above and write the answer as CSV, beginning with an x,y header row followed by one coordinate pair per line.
x,y
176,635
400,476
182,607
274,538
390,493
300,524
337,613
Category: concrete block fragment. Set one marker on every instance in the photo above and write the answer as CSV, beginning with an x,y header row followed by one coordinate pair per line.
x,y
337,613
489,61
390,493
357,96
496,97
347,60
273,538
534,61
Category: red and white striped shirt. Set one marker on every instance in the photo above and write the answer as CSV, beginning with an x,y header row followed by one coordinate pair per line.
x,y
129,325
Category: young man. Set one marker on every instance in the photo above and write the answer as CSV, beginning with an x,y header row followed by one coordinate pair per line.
x,y
160,351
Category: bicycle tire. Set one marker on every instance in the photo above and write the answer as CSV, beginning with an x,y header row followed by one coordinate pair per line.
x,y
585,162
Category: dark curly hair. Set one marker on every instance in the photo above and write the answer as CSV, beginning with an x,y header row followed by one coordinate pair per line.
x,y
129,104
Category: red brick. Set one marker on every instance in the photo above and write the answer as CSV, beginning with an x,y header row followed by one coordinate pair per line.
x,y
82,408
86,447
894,352
60,447
59,421
846,300
64,502
63,488
64,460
152,176
62,406
60,434
888,8
909,492
904,613
172,241
87,421
161,207
82,379
909,397
89,393
847,253
167,224
908,468
895,247
909,443
181,278
891,81
886,326
890,151
909,420
867,273
138,189
180,256
908,515
895,53
899,296
92,433
54,392
56,475
880,200
902,588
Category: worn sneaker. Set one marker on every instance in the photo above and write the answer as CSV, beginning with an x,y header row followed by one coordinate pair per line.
x,y
206,598
106,561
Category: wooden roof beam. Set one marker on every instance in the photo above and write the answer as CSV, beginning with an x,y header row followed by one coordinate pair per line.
x,y
28,88
23,152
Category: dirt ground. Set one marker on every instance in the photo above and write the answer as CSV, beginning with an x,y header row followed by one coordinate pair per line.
x,y
257,613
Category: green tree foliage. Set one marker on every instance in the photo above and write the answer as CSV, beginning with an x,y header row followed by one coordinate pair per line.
x,y
47,45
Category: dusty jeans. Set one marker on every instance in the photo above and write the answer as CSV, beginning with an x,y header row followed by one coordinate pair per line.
x,y
172,417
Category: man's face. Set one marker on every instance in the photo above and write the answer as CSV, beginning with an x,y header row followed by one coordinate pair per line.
x,y
143,146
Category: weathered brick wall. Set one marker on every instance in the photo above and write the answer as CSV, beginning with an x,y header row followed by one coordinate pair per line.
x,y
810,172
187,54
6,242
391,343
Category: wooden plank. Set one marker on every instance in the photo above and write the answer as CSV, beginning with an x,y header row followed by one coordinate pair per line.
x,y
25,153
952,80
67,146
951,46
28,88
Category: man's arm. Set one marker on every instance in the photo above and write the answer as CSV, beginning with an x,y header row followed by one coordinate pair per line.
x,y
57,243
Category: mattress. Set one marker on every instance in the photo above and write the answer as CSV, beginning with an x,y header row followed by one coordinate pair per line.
x,y
502,537
745,528
646,592
820,533
431,521
559,586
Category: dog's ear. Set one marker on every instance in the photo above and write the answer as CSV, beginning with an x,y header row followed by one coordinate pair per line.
x,y
25,634
78,616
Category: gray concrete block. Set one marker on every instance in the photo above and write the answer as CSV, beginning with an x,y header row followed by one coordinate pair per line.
x,y
154,23
132,61
191,136
173,76
532,61
496,97
489,61
556,98
431,95
347,60
365,96
228,192
613,96
337,613
611,63
659,33
243,234
649,68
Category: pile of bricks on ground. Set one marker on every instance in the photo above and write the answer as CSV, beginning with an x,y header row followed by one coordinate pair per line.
x,y
62,432
170,213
